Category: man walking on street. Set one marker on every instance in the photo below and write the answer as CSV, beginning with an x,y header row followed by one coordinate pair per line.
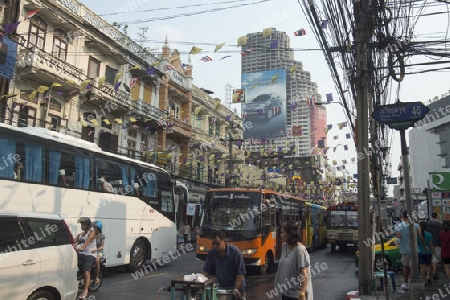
x,y
405,249
434,227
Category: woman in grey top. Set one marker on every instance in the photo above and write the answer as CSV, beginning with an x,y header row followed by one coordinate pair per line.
x,y
293,279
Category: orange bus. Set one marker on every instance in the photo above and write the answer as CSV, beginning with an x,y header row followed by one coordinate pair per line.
x,y
251,221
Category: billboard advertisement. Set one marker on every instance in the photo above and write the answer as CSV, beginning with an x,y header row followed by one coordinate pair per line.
x,y
8,53
264,111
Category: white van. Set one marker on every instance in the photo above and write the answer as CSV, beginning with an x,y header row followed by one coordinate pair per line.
x,y
37,259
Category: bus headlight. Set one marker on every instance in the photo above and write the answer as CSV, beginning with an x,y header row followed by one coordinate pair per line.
x,y
330,236
202,248
249,251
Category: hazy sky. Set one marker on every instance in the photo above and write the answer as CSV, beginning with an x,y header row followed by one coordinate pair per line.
x,y
207,29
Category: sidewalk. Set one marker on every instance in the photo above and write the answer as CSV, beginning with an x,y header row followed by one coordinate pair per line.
x,y
439,289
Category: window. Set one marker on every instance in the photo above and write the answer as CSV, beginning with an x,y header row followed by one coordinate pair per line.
x,y
56,123
69,168
110,74
59,45
23,116
113,177
46,232
93,68
37,31
10,235
55,105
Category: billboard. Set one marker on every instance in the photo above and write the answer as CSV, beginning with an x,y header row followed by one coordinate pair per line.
x,y
264,112
238,96
8,53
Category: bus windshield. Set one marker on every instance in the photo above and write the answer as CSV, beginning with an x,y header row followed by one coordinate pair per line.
x,y
343,218
232,211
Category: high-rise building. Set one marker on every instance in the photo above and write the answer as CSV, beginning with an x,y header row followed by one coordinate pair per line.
x,y
279,93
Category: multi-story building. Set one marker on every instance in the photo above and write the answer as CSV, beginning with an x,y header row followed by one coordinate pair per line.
x,y
269,53
79,75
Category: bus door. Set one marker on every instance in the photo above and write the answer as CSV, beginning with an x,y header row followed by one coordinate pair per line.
x,y
277,220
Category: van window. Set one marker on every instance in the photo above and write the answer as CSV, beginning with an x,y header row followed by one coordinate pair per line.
x,y
11,235
46,232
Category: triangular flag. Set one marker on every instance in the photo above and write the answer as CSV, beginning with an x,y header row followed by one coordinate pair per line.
x,y
273,44
324,24
56,84
266,32
42,89
94,121
9,28
83,123
197,110
274,78
217,105
195,50
117,77
32,95
300,32
119,121
132,119
293,68
219,46
84,84
242,41
329,97
134,68
106,121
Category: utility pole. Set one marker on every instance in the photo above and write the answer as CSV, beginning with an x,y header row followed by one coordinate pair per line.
x,y
361,34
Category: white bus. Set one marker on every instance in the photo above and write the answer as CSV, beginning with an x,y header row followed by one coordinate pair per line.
x,y
46,171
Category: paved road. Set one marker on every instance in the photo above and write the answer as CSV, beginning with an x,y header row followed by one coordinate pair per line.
x,y
334,276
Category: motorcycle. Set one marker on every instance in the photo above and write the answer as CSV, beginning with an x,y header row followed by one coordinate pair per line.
x,y
92,286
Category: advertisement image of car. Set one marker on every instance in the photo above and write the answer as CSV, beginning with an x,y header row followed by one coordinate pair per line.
x,y
265,105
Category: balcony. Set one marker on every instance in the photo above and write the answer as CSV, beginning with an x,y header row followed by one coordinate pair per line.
x,y
143,110
43,68
178,130
100,97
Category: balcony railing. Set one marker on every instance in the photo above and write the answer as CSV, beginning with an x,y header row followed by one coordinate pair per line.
x,y
146,110
41,60
179,125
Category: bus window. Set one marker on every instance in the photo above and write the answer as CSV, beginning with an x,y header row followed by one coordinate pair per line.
x,y
10,166
32,159
111,173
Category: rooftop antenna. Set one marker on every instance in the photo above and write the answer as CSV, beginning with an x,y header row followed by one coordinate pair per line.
x,y
142,35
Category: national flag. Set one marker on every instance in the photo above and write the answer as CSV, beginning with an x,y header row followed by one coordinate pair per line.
x,y
266,32
133,82
9,28
213,120
226,56
324,24
31,14
329,97
195,50
311,102
242,41
300,32
219,46
160,122
186,120
167,68
206,58
185,66
247,51
273,44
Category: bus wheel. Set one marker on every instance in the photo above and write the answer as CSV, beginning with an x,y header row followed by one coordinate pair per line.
x,y
268,262
137,255
333,247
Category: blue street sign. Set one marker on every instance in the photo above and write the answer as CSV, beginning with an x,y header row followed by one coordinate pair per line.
x,y
400,112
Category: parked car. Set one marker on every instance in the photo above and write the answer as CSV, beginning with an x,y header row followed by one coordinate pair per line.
x,y
264,105
392,255
37,258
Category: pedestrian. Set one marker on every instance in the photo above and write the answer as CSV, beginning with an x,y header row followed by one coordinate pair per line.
x,y
186,230
445,247
293,278
405,249
425,252
226,261
434,227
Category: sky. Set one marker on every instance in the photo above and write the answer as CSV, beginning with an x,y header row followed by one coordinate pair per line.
x,y
187,26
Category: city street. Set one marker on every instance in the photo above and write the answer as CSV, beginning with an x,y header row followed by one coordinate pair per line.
x,y
334,276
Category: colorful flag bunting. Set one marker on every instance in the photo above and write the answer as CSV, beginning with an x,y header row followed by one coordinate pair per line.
x,y
150,70
219,46
348,136
106,121
117,85
330,126
118,121
324,24
293,68
133,82
329,97
266,32
167,68
206,59
311,102
195,50
225,57
197,110
117,77
31,14
132,120
242,41
300,32
42,89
